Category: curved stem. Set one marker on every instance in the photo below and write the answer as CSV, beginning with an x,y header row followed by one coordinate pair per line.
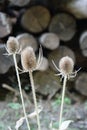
x,y
34,98
62,102
20,89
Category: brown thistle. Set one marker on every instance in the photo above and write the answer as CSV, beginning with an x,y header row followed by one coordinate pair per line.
x,y
12,46
12,49
29,63
66,66
28,59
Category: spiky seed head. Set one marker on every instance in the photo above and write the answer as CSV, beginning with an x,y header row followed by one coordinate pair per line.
x,y
12,45
28,59
66,65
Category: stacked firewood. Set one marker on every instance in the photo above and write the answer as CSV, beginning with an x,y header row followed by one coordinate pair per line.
x,y
60,27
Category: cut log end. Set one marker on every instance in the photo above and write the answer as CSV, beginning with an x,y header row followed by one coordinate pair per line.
x,y
26,39
49,40
36,19
5,25
83,43
81,84
19,3
64,25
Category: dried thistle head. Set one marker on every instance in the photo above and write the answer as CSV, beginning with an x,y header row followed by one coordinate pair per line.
x,y
28,59
66,65
12,46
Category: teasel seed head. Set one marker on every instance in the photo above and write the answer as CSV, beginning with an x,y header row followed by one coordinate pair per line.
x,y
12,45
66,65
28,59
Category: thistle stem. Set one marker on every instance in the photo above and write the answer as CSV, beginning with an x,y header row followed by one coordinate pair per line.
x,y
62,102
34,98
20,89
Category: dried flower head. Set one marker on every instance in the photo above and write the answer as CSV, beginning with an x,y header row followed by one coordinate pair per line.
x,y
28,59
12,45
66,66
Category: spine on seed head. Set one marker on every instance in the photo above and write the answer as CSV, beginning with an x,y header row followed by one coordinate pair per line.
x,y
28,59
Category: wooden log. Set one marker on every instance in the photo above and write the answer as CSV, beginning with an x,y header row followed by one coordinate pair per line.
x,y
81,84
57,54
19,3
49,40
64,25
83,43
5,61
36,19
26,39
5,25
44,64
47,86
76,7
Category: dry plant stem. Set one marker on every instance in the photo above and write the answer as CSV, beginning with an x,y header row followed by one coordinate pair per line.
x,y
62,102
20,89
35,100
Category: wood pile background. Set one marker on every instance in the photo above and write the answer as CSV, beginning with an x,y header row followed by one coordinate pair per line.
x,y
59,26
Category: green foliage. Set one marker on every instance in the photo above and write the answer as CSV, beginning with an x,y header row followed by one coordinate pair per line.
x,y
67,101
2,113
58,101
14,106
2,126
55,125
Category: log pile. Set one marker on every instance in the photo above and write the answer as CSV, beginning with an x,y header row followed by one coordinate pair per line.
x,y
59,26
